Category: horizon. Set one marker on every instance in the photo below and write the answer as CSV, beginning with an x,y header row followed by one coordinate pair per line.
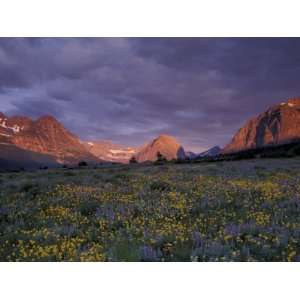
x,y
130,90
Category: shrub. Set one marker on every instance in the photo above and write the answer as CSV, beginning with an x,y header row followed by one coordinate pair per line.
x,y
88,208
133,160
82,164
160,159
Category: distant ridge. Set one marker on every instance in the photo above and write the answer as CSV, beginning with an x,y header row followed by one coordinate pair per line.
x,y
110,152
210,152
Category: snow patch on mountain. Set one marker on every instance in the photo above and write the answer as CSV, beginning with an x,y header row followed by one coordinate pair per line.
x,y
110,152
15,128
4,134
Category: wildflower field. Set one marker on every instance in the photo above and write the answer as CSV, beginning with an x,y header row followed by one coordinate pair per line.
x,y
226,211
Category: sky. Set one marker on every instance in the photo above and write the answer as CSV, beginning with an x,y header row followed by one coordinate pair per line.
x,y
130,90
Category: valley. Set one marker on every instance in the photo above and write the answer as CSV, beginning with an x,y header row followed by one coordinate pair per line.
x,y
226,211
63,198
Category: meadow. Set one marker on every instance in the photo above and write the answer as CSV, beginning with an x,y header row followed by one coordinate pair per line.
x,y
220,211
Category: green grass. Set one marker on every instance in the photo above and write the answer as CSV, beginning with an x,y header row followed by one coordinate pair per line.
x,y
228,211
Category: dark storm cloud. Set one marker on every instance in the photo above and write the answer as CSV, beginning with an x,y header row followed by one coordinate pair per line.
x,y
130,90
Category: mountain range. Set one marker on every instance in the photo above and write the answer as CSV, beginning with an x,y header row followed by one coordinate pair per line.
x,y
45,141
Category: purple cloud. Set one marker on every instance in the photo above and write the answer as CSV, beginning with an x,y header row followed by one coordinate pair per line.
x,y
129,90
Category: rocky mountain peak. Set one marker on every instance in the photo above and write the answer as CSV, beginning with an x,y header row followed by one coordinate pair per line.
x,y
46,136
279,124
164,138
167,145
48,120
211,152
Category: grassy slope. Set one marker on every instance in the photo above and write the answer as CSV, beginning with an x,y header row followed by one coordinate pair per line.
x,y
226,211
12,157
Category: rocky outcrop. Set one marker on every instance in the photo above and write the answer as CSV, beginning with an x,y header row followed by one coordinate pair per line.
x,y
278,125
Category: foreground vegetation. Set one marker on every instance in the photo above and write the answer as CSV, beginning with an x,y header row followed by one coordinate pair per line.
x,y
225,211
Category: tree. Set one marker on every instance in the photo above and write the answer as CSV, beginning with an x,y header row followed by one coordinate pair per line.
x,y
82,164
133,160
43,167
160,158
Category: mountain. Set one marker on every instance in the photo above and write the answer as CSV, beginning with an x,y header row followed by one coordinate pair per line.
x,y
167,145
108,151
210,152
280,124
190,155
43,136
